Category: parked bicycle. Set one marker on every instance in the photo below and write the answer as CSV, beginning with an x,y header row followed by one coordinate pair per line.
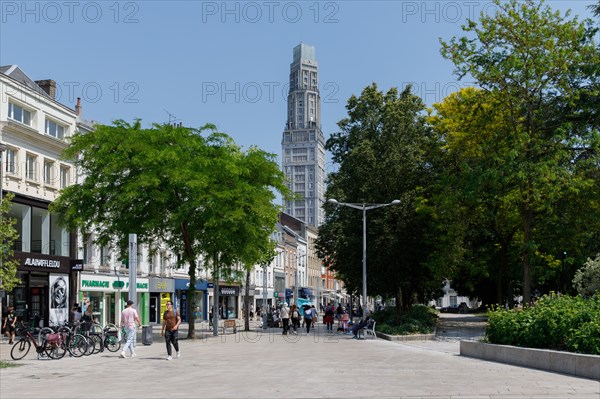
x,y
52,346
76,344
110,339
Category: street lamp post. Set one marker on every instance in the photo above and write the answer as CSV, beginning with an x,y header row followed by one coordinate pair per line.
x,y
296,260
364,207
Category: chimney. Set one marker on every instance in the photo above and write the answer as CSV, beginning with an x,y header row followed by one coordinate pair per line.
x,y
49,86
78,107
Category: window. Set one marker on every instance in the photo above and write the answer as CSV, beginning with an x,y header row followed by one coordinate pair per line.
x,y
48,172
30,167
54,129
64,177
11,161
19,114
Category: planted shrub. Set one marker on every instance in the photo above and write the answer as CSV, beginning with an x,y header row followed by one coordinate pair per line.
x,y
419,319
555,322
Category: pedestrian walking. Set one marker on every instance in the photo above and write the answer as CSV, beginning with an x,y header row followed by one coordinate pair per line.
x,y
295,316
9,324
328,320
309,314
130,320
285,317
170,328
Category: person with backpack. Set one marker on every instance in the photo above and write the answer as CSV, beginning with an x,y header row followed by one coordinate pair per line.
x,y
170,326
309,314
295,317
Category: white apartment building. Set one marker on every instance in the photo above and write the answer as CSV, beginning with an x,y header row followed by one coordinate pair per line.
x,y
34,129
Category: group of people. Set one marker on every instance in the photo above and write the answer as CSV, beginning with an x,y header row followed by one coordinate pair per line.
x,y
170,329
293,314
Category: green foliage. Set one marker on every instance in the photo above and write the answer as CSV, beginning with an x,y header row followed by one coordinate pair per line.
x,y
8,235
531,139
172,185
555,322
418,319
382,152
4,364
587,279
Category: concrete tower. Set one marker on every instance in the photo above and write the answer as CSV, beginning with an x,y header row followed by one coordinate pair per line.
x,y
303,144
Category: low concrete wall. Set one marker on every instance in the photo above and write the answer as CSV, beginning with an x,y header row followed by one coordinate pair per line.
x,y
406,338
587,366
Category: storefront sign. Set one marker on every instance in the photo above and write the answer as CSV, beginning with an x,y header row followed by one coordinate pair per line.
x,y
229,291
109,283
161,285
44,263
94,283
76,265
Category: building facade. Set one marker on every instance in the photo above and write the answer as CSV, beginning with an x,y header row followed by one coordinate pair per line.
x,y
34,129
303,143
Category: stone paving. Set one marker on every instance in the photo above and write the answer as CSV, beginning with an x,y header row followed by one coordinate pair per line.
x,y
266,364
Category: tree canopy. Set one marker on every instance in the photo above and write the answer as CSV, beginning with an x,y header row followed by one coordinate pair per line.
x,y
541,69
173,186
381,149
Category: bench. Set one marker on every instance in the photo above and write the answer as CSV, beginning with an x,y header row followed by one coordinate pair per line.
x,y
229,324
367,331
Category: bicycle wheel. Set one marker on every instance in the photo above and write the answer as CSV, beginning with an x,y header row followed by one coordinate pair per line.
x,y
20,349
112,343
90,346
96,343
55,350
42,334
78,345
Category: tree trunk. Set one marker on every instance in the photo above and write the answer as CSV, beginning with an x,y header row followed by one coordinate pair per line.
x,y
247,303
398,303
191,294
502,267
527,238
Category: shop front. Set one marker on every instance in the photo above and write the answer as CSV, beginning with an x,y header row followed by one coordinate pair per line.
x,y
44,292
229,302
197,308
161,290
108,295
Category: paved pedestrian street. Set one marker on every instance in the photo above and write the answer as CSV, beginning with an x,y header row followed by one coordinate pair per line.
x,y
261,364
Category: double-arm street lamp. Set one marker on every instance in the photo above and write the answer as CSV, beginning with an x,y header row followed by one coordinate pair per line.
x,y
364,207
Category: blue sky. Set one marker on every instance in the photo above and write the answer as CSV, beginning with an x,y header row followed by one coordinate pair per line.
x,y
227,63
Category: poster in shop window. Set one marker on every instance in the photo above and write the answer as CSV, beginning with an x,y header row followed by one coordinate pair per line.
x,y
59,299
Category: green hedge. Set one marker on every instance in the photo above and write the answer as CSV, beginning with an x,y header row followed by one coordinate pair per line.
x,y
554,322
419,319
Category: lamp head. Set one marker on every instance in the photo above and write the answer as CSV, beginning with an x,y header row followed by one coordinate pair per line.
x,y
395,202
332,201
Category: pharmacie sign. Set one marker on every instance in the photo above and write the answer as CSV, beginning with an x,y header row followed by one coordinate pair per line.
x,y
97,283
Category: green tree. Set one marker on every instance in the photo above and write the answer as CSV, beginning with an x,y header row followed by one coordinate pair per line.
x,y
537,64
8,235
172,185
476,216
382,152
587,279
